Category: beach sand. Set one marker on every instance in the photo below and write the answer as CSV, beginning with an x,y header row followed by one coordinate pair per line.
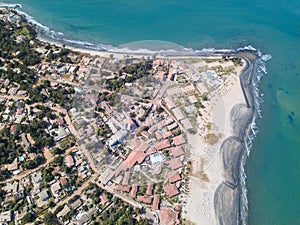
x,y
207,168
207,172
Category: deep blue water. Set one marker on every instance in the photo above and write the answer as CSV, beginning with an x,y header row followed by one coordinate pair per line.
x,y
273,168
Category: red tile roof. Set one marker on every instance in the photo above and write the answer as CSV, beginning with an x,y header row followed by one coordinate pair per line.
x,y
167,134
63,181
175,163
145,134
69,161
152,129
126,177
143,147
174,177
151,151
19,111
177,151
171,190
149,189
156,201
179,140
144,199
163,144
134,190
134,157
60,121
168,217
103,199
122,188
158,135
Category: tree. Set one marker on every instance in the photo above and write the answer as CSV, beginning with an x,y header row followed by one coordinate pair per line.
x,y
50,219
28,218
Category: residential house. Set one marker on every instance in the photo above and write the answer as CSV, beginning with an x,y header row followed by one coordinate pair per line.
x,y
168,217
171,190
175,163
156,202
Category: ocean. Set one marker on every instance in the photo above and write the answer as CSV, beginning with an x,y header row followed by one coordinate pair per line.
x,y
273,27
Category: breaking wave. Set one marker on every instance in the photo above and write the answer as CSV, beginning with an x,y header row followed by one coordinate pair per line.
x,y
45,33
260,71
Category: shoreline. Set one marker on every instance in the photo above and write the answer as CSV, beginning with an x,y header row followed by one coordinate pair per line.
x,y
231,188
229,202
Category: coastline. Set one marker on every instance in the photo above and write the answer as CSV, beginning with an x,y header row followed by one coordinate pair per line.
x,y
233,149
230,201
227,191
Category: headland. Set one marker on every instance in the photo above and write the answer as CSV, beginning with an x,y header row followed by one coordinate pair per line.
x,y
166,133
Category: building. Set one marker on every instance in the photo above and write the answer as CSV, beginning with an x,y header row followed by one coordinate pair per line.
x,y
168,217
202,88
173,177
144,199
187,124
44,195
179,140
126,177
192,99
75,205
163,144
177,151
171,190
134,157
69,161
131,126
172,126
55,188
167,134
175,163
63,212
178,114
156,202
103,199
170,102
37,177
106,176
149,189
145,134
188,89
6,217
117,138
122,188
134,190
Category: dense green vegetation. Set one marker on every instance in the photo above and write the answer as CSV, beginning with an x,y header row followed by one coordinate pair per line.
x,y
23,50
133,71
8,147
120,214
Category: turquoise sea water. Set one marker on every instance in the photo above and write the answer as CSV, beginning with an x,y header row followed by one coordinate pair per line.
x,y
273,168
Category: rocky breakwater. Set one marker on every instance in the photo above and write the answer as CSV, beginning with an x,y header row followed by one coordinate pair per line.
x,y
228,202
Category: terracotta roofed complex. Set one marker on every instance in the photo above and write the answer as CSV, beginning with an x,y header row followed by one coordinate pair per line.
x,y
163,144
179,140
177,151
175,163
168,217
156,201
174,177
171,190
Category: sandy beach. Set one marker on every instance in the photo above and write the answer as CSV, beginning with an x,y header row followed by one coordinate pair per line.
x,y
208,171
